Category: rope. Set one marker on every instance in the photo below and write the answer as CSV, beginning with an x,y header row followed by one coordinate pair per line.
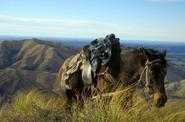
x,y
145,70
112,93
102,73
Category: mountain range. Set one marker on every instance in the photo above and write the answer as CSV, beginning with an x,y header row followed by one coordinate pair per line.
x,y
30,63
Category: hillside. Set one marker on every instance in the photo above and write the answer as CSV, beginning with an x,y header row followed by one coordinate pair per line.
x,y
176,89
30,63
176,71
12,80
33,54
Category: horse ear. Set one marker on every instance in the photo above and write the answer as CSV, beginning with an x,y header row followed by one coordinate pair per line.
x,y
163,53
147,54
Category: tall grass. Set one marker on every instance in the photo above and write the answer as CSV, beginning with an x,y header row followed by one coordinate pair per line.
x,y
34,106
125,107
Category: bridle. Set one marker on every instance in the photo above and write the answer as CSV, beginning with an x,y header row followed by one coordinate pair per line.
x,y
147,83
146,71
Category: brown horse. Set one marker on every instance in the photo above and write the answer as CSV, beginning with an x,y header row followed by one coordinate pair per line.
x,y
148,67
83,79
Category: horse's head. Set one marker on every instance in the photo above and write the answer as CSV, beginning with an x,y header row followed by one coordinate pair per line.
x,y
156,69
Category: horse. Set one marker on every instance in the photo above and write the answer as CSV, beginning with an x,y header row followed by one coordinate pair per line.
x,y
147,67
84,79
126,66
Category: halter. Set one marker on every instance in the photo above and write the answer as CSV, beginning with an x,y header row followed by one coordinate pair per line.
x,y
146,70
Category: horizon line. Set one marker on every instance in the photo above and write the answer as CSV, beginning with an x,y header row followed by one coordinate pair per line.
x,y
141,41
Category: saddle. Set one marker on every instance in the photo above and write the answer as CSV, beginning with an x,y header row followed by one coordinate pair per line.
x,y
97,53
76,63
91,56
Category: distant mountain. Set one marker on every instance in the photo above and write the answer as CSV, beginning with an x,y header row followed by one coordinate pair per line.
x,y
34,54
30,63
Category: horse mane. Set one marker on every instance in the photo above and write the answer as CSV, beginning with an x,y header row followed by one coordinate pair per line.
x,y
156,54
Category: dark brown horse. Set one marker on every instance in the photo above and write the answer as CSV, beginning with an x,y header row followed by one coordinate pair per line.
x,y
148,67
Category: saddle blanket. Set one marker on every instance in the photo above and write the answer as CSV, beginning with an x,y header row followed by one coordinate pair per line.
x,y
72,65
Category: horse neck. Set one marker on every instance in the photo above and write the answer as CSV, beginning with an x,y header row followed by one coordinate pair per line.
x,y
132,65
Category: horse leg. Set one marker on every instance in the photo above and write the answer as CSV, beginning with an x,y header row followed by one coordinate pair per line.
x,y
74,94
71,96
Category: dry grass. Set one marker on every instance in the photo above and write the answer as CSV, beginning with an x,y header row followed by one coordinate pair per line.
x,y
35,106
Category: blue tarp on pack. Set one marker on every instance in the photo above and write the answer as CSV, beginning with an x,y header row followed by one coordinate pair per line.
x,y
100,51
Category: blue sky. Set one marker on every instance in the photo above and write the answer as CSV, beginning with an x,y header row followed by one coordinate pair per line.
x,y
157,20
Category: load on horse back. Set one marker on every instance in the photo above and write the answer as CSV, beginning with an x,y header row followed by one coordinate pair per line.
x,y
97,64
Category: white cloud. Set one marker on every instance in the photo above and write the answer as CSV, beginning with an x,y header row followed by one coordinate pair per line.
x,y
13,25
55,27
62,22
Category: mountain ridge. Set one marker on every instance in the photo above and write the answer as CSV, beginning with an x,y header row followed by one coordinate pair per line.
x,y
30,64
34,54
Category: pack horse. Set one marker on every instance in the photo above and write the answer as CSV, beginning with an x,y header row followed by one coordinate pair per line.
x,y
102,64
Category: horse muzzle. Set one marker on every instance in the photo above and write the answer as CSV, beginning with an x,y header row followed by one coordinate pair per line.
x,y
159,99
